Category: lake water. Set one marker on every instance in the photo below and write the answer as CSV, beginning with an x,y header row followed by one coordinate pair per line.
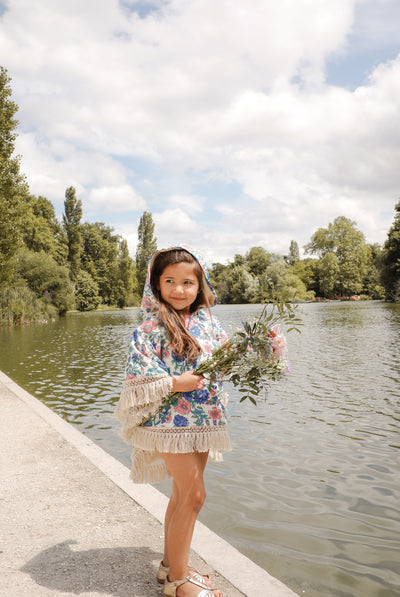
x,y
311,490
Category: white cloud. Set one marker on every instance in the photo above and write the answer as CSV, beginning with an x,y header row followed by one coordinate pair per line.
x,y
116,199
198,93
193,203
52,165
174,221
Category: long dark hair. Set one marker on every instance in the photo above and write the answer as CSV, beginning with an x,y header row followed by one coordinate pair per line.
x,y
182,342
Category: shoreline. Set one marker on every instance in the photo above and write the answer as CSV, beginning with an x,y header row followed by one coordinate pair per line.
x,y
57,451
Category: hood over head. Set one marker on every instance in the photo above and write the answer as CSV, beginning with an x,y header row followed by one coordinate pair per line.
x,y
149,301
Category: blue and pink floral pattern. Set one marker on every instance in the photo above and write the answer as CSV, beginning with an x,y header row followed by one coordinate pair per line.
x,y
150,356
192,421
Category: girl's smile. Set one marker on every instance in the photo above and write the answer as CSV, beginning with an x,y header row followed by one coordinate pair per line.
x,y
179,286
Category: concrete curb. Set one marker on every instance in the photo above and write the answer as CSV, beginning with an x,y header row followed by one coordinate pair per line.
x,y
241,572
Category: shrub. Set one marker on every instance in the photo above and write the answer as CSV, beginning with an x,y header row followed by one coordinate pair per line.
x,y
20,305
47,279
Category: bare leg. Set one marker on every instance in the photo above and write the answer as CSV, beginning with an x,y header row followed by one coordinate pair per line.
x,y
188,495
173,502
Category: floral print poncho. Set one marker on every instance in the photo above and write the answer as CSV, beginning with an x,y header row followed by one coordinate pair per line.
x,y
192,421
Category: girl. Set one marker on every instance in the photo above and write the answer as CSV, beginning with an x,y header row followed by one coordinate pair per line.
x,y
174,438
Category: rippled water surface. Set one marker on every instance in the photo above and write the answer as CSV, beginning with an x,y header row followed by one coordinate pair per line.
x,y
311,490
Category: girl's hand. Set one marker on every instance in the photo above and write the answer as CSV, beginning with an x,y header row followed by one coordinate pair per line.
x,y
187,382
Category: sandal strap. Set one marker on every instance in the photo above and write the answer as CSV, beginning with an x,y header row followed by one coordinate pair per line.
x,y
171,586
199,581
200,578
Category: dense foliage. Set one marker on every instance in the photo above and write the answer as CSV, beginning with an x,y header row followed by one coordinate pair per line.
x,y
69,265
391,259
257,277
345,266
48,267
14,195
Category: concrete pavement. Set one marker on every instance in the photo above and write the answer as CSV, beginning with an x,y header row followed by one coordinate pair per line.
x,y
72,522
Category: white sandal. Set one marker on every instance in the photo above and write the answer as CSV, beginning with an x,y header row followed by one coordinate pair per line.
x,y
170,587
163,571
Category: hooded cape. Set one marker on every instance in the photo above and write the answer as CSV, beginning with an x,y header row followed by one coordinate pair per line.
x,y
151,365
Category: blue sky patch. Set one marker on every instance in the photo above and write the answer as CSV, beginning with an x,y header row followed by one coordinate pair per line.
x,y
143,9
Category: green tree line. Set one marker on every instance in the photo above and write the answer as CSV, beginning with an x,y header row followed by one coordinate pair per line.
x,y
48,267
341,264
55,267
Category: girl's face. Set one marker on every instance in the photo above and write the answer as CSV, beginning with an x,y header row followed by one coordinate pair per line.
x,y
179,286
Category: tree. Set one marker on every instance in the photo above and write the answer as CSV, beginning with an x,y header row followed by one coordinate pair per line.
x,y
127,276
257,260
372,281
147,244
328,271
294,253
72,225
14,194
239,260
280,281
291,288
307,271
237,283
391,259
86,292
99,259
219,274
106,258
43,232
347,243
243,286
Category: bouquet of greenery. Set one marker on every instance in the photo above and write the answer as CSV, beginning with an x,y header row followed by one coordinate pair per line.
x,y
256,354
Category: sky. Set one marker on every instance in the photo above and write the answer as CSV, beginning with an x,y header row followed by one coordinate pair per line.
x,y
236,124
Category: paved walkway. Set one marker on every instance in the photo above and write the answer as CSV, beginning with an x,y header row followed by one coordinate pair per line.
x,y
72,523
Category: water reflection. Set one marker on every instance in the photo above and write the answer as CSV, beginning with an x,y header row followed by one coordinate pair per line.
x,y
311,489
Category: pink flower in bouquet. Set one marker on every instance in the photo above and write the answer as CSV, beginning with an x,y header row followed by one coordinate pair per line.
x,y
279,347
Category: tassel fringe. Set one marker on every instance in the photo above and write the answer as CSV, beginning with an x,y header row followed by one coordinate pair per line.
x,y
146,468
182,440
140,399
147,463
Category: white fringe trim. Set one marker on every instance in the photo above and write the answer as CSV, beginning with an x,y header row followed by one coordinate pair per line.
x,y
148,467
149,444
180,440
140,399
